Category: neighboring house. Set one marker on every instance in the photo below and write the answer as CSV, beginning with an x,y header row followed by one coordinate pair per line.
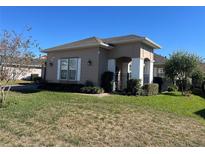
x,y
127,57
159,62
159,71
202,67
34,68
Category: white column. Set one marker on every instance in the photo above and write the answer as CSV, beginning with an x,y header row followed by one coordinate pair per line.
x,y
137,69
111,68
151,69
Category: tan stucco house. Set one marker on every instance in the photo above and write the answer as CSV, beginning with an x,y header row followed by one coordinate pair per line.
x,y
128,57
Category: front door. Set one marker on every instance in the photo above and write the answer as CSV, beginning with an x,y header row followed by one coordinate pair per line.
x,y
124,75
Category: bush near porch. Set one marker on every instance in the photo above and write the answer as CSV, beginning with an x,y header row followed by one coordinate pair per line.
x,y
91,90
107,81
133,87
150,89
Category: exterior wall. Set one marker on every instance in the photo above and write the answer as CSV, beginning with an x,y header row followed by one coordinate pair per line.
x,y
131,50
88,72
146,52
103,62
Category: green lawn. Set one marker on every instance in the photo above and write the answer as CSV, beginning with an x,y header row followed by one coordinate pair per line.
x,y
66,119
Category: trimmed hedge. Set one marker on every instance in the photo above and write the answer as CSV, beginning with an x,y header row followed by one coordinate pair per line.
x,y
133,87
38,80
151,89
91,90
89,83
107,81
62,87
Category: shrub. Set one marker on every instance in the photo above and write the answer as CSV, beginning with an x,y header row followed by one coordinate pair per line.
x,y
89,83
151,89
91,90
38,80
159,81
172,88
133,87
107,81
62,87
33,76
197,78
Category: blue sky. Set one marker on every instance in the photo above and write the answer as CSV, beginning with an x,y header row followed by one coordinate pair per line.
x,y
174,28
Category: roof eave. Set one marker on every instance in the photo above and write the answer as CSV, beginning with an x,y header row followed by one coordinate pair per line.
x,y
78,47
144,40
152,43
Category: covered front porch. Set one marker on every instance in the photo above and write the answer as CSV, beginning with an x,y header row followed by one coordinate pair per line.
x,y
126,68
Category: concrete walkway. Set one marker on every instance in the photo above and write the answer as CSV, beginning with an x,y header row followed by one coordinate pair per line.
x,y
97,95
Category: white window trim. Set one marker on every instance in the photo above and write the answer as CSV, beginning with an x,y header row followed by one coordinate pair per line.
x,y
78,71
58,70
67,69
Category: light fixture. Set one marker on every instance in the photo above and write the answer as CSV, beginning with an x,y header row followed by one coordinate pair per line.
x,y
89,62
51,61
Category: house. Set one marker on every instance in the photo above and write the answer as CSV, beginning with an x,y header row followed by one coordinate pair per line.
x,y
23,72
128,57
159,62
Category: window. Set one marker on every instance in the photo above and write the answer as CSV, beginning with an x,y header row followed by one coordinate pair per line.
x,y
69,69
63,69
73,67
160,70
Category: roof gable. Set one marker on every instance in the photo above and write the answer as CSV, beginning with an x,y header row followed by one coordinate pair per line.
x,y
76,44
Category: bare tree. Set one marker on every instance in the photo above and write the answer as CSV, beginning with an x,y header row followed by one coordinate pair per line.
x,y
16,57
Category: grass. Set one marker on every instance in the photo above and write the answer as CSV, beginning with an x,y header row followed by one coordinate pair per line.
x,y
67,119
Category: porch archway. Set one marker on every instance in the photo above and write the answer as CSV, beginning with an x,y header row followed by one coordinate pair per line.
x,y
123,70
146,75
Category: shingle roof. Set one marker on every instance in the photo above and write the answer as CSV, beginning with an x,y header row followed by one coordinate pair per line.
x,y
94,41
83,42
121,38
159,59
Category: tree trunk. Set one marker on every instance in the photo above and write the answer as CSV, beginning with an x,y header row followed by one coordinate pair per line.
x,y
3,95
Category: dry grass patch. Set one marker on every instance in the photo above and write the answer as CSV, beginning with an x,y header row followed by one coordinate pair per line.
x,y
61,119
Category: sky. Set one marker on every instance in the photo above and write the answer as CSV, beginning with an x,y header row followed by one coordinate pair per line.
x,y
174,28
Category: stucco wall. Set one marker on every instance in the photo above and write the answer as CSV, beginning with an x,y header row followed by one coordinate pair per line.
x,y
103,62
88,72
146,52
125,50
